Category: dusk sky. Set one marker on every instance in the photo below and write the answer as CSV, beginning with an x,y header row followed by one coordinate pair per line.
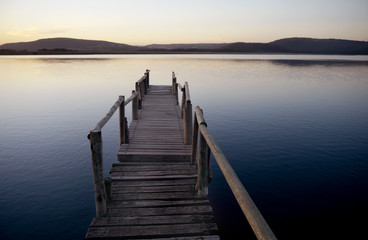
x,y
140,22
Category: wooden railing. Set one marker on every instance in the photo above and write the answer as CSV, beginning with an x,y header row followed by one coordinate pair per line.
x,y
102,186
195,133
205,143
185,109
141,87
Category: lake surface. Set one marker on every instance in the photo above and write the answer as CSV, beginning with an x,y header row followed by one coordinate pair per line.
x,y
294,128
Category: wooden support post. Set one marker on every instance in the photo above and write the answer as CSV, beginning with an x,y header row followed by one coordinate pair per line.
x,y
122,122
141,90
182,103
134,107
148,78
193,159
126,132
137,89
176,99
144,82
210,175
198,120
203,171
108,188
173,86
188,123
95,138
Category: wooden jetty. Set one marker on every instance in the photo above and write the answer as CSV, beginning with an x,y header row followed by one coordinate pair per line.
x,y
159,187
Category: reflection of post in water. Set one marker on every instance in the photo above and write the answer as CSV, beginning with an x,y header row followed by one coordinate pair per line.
x,y
308,63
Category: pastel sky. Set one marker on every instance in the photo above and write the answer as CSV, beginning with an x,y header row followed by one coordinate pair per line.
x,y
140,22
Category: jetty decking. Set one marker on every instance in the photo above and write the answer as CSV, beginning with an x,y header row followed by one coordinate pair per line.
x,y
158,135
159,187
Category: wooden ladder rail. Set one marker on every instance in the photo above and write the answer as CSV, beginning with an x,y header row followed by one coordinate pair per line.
x,y
102,185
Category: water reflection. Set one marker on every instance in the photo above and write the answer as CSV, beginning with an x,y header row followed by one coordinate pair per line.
x,y
293,128
68,59
326,63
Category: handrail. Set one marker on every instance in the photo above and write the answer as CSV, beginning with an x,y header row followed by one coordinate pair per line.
x,y
103,185
206,140
113,109
141,79
141,86
187,95
134,95
105,119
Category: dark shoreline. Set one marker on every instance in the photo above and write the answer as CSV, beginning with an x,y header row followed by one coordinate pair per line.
x,y
26,53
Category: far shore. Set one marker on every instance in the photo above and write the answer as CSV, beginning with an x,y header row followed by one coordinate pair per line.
x,y
158,52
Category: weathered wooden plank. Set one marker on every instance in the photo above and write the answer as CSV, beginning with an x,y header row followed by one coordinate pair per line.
x,y
137,156
152,231
172,152
157,147
147,220
146,211
126,163
147,196
156,167
212,237
157,203
156,139
145,170
154,189
153,142
153,173
115,176
155,182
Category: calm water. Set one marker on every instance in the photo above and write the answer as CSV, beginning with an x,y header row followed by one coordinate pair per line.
x,y
294,127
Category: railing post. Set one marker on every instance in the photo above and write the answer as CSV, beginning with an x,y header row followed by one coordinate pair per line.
x,y
144,82
173,83
183,100
134,107
193,159
176,94
203,167
188,122
123,132
147,78
126,132
95,138
108,183
141,89
137,89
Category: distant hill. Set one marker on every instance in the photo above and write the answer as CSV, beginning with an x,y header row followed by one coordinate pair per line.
x,y
287,45
71,44
322,46
251,48
201,46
